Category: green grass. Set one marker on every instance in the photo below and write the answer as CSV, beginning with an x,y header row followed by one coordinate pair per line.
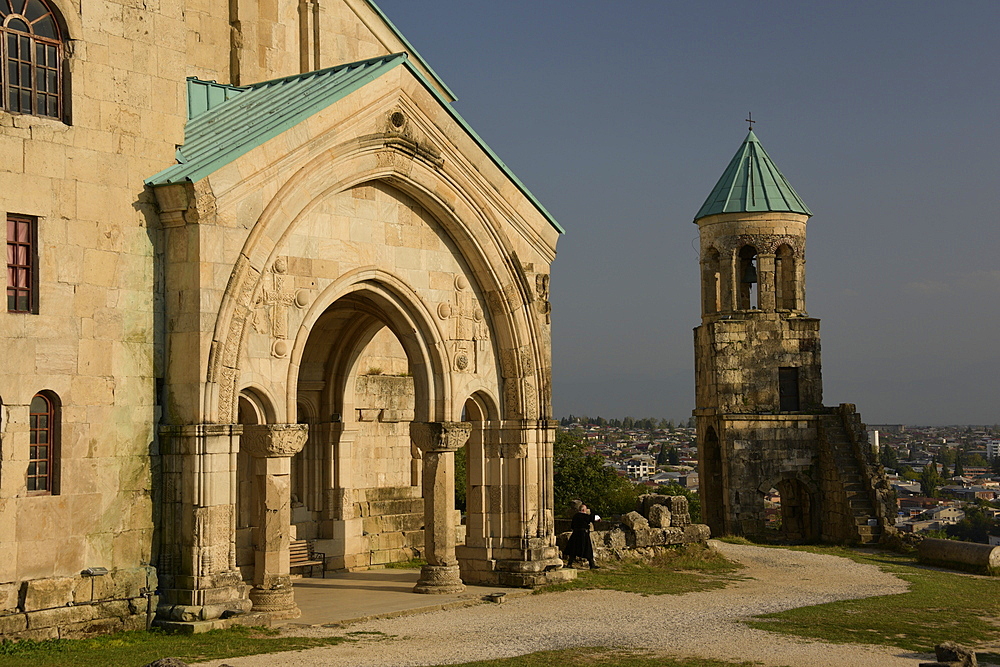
x,y
940,606
683,569
412,564
601,657
127,649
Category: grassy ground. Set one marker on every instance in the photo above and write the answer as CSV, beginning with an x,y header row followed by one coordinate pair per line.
x,y
680,570
601,657
940,606
133,649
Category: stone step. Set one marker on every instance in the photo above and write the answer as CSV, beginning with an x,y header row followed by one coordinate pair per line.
x,y
392,522
383,507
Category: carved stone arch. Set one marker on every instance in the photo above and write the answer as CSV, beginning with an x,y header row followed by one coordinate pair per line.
x,y
262,402
455,209
410,321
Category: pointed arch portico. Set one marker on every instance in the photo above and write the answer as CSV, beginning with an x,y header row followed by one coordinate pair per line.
x,y
372,231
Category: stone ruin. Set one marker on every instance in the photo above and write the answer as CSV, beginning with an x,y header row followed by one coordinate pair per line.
x,y
659,521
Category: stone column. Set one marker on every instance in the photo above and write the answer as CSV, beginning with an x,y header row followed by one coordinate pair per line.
x,y
272,447
766,287
197,487
438,442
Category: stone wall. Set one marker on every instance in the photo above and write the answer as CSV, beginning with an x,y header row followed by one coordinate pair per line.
x,y
69,607
659,521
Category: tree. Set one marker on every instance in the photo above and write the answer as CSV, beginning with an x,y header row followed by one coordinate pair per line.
x,y
582,476
930,480
975,527
959,467
673,457
661,458
888,457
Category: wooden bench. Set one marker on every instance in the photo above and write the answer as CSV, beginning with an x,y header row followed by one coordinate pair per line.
x,y
301,554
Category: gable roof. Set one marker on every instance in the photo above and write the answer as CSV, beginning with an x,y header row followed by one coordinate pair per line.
x,y
227,122
752,183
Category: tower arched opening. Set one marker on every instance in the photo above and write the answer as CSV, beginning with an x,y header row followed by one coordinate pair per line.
x,y
786,289
747,278
711,283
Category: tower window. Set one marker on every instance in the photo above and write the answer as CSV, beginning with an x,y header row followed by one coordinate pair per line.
x,y
784,279
788,389
32,52
711,289
22,263
748,293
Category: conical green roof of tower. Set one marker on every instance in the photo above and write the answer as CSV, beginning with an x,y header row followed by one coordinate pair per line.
x,y
752,183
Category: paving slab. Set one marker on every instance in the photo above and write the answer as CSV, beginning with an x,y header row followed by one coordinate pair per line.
x,y
352,597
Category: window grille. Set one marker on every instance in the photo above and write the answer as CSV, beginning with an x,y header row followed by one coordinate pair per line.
x,y
31,51
41,457
22,264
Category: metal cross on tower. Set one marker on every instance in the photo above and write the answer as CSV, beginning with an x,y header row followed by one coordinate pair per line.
x,y
750,120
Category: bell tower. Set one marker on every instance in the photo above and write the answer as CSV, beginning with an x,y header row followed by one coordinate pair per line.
x,y
758,382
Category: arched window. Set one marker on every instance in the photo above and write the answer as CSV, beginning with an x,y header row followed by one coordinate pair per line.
x,y
784,278
711,288
44,445
32,53
747,278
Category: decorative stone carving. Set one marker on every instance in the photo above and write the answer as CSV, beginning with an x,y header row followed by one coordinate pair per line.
x,y
542,292
469,331
270,309
440,436
274,440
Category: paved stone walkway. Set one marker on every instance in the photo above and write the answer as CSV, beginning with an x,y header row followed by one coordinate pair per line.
x,y
705,624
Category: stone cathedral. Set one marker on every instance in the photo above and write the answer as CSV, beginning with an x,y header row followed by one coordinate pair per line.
x,y
759,394
263,281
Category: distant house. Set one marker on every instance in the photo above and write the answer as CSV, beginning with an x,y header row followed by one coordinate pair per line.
x,y
945,515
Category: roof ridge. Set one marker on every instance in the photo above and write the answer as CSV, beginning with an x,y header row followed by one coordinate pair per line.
x,y
304,75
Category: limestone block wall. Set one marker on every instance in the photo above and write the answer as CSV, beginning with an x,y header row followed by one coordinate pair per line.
x,y
77,606
728,354
93,341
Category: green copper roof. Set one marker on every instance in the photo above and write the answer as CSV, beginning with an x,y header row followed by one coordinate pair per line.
x,y
230,128
227,122
751,183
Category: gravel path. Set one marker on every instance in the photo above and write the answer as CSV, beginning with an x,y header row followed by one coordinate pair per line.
x,y
704,624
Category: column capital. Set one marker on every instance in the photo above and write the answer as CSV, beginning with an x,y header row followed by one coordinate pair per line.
x,y
274,440
440,436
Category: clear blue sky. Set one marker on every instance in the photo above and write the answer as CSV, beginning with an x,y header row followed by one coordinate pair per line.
x,y
620,116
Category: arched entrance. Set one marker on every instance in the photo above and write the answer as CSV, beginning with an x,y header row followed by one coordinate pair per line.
x,y
357,481
799,516
711,482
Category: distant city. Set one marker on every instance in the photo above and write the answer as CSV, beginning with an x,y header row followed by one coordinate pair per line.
x,y
946,478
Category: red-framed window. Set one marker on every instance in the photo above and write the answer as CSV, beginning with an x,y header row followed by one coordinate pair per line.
x,y
44,444
22,264
32,53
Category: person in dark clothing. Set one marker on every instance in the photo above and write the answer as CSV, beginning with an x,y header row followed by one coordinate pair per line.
x,y
579,545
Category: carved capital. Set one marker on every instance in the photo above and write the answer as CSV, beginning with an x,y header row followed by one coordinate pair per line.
x,y
439,436
274,440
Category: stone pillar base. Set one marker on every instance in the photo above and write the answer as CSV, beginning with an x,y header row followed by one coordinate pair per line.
x,y
439,579
276,602
534,579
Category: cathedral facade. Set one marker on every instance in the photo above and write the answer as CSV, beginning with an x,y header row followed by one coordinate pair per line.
x,y
263,282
